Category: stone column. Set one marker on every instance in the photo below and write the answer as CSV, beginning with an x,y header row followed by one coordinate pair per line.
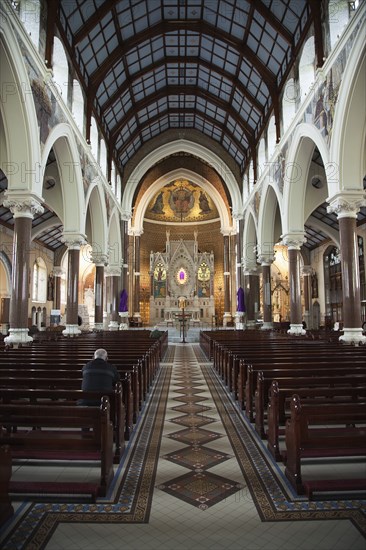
x,y
126,216
251,294
239,249
227,305
346,206
100,261
73,243
58,271
307,272
114,275
294,243
136,282
23,207
266,262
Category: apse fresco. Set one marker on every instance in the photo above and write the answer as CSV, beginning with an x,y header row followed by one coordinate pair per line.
x,y
181,200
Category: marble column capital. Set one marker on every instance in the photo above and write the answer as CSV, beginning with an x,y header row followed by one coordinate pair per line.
x,y
73,241
227,231
237,215
265,259
126,215
307,270
136,232
99,259
58,271
251,270
294,240
346,205
23,205
112,271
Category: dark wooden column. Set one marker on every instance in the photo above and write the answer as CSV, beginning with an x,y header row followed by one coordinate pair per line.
x,y
73,243
58,271
100,261
266,262
23,209
294,243
347,206
114,275
227,300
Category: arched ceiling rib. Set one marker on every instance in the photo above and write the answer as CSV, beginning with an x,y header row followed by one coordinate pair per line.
x,y
149,66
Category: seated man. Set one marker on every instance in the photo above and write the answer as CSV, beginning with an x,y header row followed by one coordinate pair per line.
x,y
98,375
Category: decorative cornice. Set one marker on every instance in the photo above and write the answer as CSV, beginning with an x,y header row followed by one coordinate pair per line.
x,y
347,205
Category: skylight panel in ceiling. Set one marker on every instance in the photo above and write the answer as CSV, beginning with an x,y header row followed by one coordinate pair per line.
x,y
218,53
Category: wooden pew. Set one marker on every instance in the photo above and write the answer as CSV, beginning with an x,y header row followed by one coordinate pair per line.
x,y
62,397
312,392
37,378
301,378
45,433
315,431
295,370
6,508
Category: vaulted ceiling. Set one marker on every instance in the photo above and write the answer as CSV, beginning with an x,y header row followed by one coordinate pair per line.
x,y
216,66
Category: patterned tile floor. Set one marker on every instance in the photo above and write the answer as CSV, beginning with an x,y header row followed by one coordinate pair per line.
x,y
194,477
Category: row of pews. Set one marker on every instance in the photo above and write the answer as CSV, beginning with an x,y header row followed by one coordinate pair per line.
x,y
40,415
306,399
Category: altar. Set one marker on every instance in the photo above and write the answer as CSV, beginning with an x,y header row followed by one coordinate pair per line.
x,y
181,270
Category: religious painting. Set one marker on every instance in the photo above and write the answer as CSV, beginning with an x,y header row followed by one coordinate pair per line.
x,y
159,281
181,200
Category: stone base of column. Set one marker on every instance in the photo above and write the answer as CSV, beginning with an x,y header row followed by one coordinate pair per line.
x,y
296,330
71,331
4,328
267,325
113,325
98,326
352,336
226,319
18,337
124,320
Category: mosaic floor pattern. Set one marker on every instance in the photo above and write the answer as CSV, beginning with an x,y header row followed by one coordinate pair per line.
x,y
193,446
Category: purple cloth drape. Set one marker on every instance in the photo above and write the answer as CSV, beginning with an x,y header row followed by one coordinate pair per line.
x,y
241,302
123,302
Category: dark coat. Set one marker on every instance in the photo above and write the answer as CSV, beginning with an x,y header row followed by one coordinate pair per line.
x,y
98,375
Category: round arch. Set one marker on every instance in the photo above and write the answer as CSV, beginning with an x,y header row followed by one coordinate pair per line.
x,y
250,240
62,140
347,148
306,137
96,206
172,148
178,174
22,148
6,265
270,202
114,240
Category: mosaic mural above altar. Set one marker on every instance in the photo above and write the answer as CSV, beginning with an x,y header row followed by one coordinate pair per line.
x,y
181,200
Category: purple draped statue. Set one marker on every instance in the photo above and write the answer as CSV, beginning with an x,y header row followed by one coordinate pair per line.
x,y
123,302
241,303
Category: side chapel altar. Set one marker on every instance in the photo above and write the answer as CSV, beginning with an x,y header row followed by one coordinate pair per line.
x,y
181,271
